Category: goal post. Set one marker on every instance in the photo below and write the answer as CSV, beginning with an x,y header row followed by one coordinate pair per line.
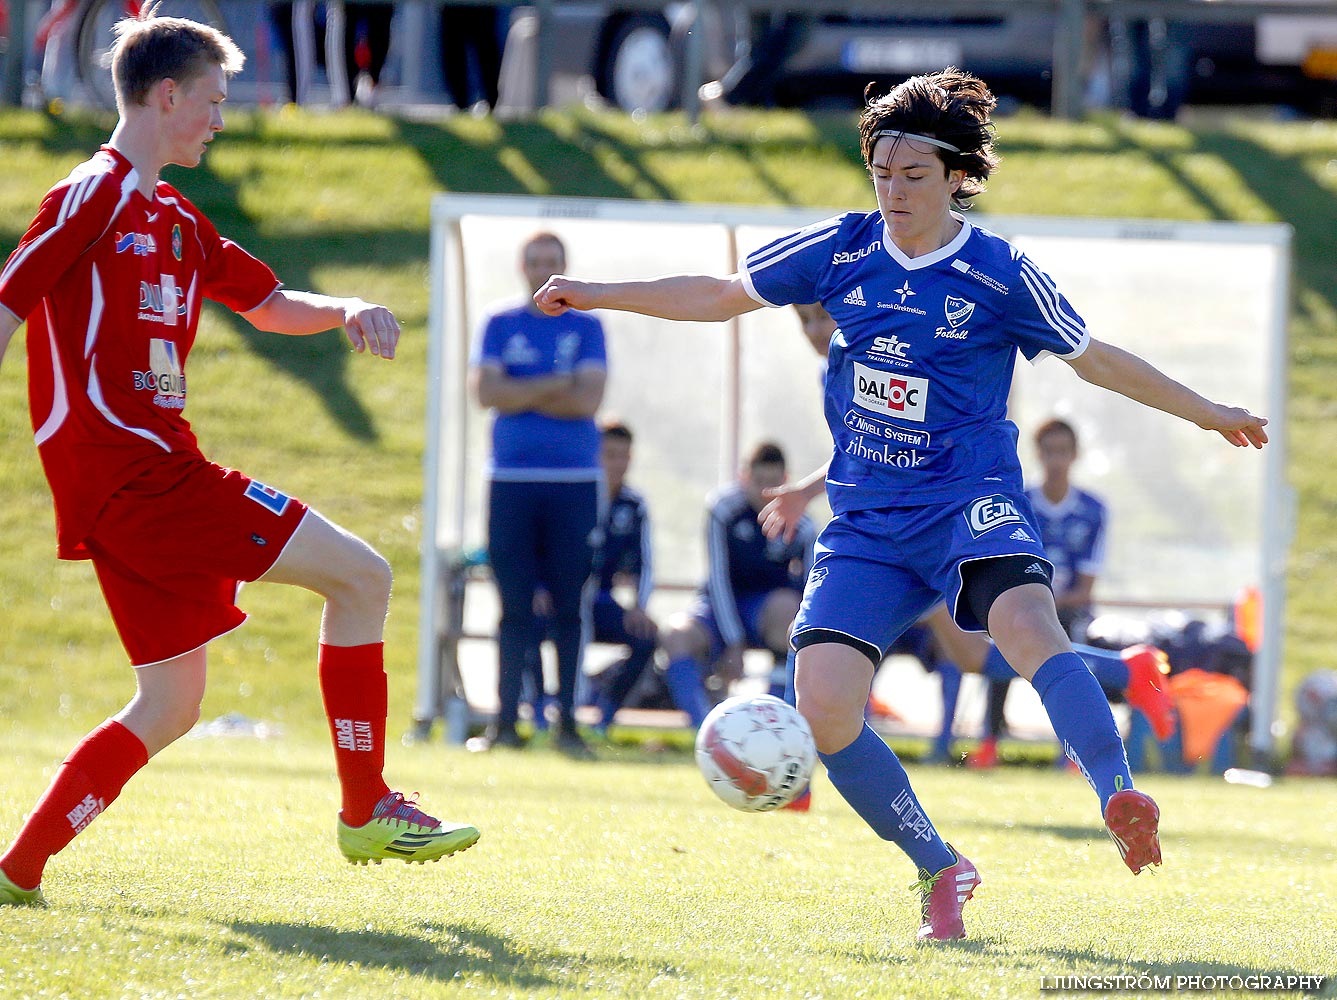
x,y
1193,520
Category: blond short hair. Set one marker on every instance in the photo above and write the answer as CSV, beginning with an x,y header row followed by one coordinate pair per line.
x,y
149,48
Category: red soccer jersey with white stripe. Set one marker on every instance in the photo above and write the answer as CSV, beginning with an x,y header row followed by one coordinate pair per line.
x,y
111,285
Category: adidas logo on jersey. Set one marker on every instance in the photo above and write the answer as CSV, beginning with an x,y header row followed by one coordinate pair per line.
x,y
1037,569
855,298
1020,535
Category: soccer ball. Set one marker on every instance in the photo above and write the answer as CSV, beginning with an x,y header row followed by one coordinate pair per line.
x,y
756,753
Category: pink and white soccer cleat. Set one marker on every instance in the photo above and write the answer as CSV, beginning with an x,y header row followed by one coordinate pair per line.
x,y
942,898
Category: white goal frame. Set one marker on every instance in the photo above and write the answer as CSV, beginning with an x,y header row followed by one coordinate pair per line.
x,y
449,469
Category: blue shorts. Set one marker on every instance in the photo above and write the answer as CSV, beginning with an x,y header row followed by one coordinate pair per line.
x,y
878,571
749,605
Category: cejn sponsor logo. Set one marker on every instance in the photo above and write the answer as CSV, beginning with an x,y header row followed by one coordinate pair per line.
x,y
142,244
902,396
164,377
991,512
853,256
161,302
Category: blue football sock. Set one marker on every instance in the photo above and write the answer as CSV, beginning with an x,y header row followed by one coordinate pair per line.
x,y
996,667
1107,665
791,662
1081,717
871,779
779,678
951,689
607,709
683,678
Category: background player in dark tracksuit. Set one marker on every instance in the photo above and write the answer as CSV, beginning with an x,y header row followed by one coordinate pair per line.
x,y
751,593
544,378
626,557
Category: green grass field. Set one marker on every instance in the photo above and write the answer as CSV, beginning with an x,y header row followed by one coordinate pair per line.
x,y
216,875
625,878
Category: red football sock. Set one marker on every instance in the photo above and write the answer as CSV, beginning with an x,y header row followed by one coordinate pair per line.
x,y
87,781
353,685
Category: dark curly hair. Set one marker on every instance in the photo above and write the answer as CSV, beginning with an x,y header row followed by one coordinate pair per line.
x,y
951,105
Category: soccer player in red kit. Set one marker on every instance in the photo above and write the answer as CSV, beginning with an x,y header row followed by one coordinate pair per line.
x,y
110,277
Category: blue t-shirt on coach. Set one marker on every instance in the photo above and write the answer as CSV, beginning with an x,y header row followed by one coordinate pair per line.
x,y
919,371
523,343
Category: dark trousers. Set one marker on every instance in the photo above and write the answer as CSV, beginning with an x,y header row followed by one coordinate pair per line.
x,y
539,535
617,681
471,33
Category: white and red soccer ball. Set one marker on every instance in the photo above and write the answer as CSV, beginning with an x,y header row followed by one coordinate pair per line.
x,y
757,753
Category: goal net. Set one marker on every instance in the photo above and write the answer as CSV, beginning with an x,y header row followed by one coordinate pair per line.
x,y
1193,520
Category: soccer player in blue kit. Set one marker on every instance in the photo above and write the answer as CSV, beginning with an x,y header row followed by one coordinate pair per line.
x,y
924,482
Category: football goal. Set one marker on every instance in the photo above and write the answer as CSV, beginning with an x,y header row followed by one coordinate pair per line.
x,y
1193,520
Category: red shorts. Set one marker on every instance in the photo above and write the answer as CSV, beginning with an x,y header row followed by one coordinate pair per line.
x,y
172,547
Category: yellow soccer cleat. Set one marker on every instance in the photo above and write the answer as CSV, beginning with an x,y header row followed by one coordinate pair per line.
x,y
399,829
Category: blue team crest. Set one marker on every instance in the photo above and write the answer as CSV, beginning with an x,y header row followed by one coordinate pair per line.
x,y
176,241
958,310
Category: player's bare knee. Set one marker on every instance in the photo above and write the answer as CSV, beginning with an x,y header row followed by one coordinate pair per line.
x,y
826,709
1015,619
362,577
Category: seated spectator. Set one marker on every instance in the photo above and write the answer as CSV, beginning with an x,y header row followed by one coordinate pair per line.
x,y
623,558
751,593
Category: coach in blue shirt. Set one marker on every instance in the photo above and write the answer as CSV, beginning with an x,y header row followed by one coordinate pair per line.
x,y
543,376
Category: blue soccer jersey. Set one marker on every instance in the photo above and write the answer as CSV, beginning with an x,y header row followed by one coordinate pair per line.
x,y
919,371
1073,533
523,343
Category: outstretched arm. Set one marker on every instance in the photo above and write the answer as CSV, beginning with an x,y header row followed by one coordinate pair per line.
x,y
1119,371
678,296
367,325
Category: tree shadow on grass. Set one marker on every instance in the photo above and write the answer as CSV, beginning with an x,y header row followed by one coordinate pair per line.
x,y
440,952
527,158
